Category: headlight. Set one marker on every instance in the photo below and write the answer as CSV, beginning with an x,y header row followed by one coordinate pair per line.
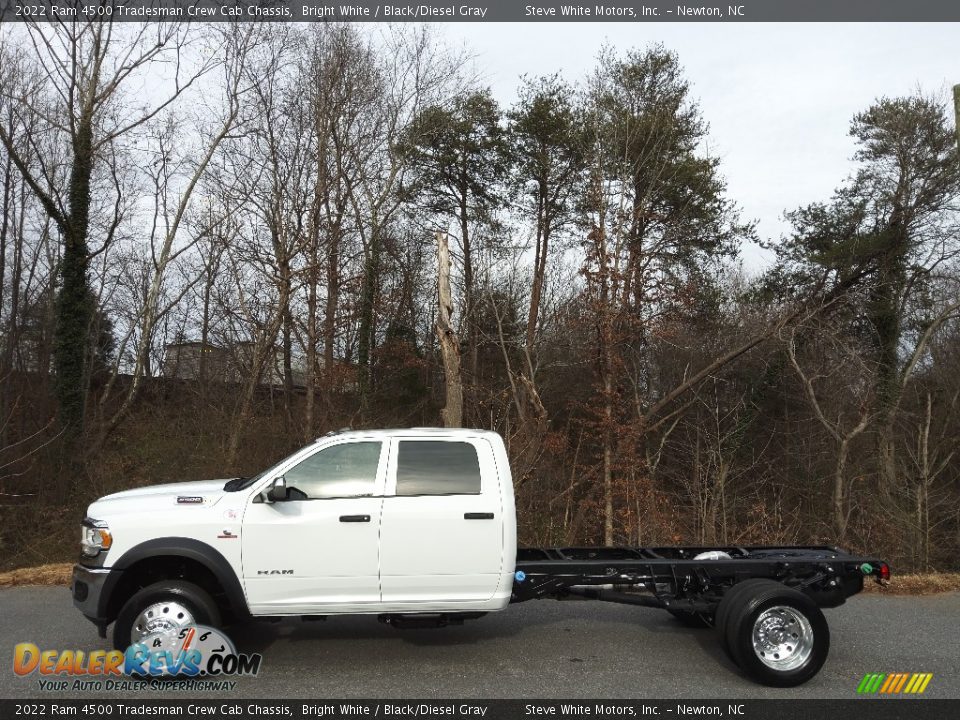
x,y
95,537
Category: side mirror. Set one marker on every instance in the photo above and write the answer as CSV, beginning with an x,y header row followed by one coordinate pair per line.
x,y
278,491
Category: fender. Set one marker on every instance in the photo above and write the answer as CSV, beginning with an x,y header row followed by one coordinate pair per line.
x,y
183,547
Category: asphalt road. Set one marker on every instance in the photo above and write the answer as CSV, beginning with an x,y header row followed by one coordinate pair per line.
x,y
538,649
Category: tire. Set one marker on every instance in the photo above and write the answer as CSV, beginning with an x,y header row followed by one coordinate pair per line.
x,y
177,602
730,599
692,619
777,635
740,595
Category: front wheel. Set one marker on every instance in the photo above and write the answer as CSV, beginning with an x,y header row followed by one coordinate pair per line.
x,y
165,606
777,635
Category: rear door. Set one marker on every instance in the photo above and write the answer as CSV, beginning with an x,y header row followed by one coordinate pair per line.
x,y
320,549
441,537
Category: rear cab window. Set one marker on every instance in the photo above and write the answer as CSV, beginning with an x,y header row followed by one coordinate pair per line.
x,y
437,467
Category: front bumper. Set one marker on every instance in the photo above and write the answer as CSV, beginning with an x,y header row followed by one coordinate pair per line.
x,y
87,591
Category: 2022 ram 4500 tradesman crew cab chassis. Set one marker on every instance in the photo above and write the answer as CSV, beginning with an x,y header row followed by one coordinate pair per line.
x,y
418,527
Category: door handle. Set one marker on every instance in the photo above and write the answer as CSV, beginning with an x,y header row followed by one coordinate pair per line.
x,y
354,518
478,516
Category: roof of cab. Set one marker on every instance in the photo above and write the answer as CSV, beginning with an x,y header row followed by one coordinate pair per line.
x,y
408,432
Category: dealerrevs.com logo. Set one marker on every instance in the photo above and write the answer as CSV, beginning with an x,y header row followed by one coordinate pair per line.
x,y
198,657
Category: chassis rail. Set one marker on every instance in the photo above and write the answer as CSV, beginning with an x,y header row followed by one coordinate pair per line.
x,y
671,577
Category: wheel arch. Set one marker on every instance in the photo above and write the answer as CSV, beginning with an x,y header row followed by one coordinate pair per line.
x,y
173,557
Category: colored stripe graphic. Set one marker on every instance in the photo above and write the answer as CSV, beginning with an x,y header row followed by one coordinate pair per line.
x,y
900,684
897,685
894,683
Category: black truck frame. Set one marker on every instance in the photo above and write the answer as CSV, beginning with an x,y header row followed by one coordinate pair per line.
x,y
763,601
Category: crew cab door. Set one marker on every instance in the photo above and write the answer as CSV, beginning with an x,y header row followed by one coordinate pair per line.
x,y
441,537
320,548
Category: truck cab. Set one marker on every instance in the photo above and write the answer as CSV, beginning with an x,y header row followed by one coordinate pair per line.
x,y
386,521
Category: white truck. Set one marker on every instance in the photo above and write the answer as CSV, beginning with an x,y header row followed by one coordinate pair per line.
x,y
418,528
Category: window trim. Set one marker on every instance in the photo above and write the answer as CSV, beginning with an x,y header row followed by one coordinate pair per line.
x,y
296,459
479,446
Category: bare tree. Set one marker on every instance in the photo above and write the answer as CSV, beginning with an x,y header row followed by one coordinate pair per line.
x,y
336,98
930,457
87,67
411,72
842,431
172,203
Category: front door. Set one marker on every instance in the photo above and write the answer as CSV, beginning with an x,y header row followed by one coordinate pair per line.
x,y
320,548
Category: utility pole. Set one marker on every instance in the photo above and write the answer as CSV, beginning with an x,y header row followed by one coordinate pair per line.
x,y
956,112
452,413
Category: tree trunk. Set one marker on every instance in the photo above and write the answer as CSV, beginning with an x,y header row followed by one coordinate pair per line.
x,y
287,340
452,413
311,370
887,324
205,328
243,413
4,226
260,354
839,499
368,295
11,322
74,302
607,461
468,286
956,112
887,456
539,270
11,330
333,300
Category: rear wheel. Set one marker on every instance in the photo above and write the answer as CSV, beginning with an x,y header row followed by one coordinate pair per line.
x,y
729,600
777,635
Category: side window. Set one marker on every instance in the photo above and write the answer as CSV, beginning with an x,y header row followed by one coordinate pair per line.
x,y
347,470
437,468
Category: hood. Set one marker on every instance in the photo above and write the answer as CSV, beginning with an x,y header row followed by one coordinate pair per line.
x,y
161,497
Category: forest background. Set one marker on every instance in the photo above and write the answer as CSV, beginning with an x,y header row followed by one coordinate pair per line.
x,y
219,242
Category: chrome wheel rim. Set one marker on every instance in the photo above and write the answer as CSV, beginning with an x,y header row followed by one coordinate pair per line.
x,y
161,617
782,638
